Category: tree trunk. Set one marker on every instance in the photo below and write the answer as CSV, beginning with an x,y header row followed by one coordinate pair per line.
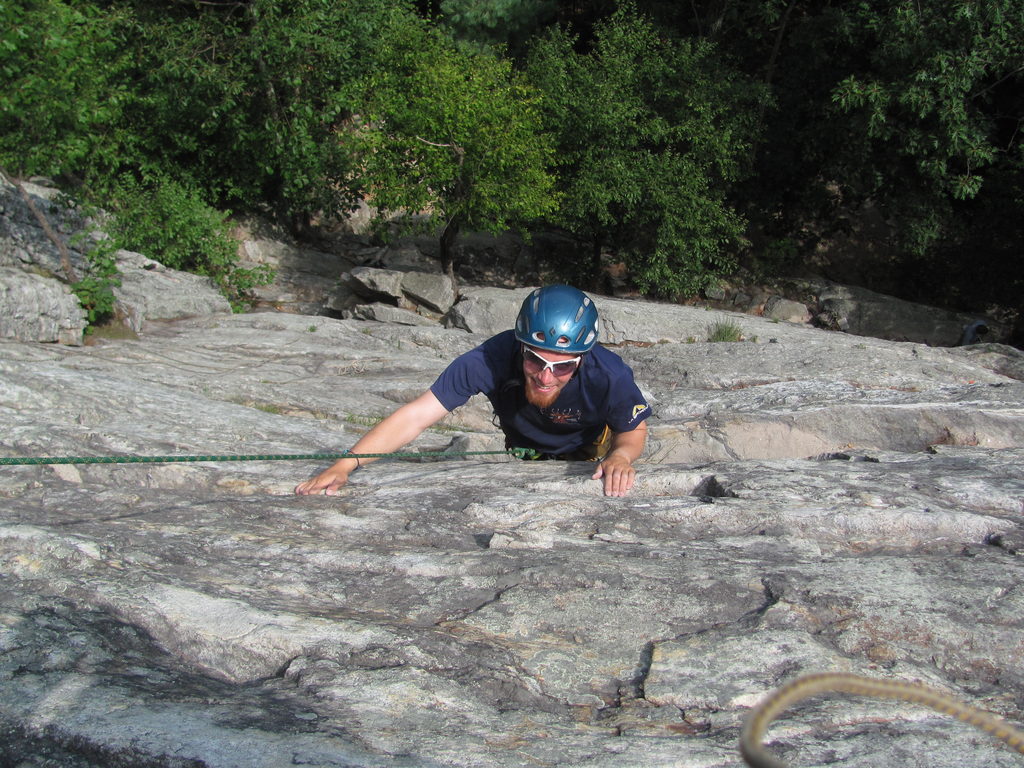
x,y
62,249
597,274
448,236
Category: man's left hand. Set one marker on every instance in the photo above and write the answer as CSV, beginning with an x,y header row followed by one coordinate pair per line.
x,y
618,474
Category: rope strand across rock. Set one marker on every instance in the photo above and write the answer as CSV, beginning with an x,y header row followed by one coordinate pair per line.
x,y
752,736
518,453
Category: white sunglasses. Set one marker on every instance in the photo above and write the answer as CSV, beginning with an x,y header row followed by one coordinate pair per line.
x,y
536,364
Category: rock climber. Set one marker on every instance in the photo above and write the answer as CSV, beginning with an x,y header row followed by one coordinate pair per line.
x,y
552,388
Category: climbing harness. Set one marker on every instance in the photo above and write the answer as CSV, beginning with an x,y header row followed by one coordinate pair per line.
x,y
752,748
519,453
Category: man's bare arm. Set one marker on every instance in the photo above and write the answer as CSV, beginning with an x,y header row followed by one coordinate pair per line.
x,y
400,428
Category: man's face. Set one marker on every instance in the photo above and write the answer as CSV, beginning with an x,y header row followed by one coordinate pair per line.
x,y
544,383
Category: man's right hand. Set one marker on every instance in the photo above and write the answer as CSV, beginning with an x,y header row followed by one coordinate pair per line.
x,y
328,481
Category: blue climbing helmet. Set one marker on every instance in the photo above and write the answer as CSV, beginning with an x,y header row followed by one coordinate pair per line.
x,y
559,318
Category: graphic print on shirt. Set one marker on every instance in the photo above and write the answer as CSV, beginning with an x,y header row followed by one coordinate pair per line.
x,y
571,416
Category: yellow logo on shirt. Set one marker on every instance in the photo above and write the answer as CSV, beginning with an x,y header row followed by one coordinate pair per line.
x,y
638,409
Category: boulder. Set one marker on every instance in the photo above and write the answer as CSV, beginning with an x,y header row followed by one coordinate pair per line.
x,y
150,291
866,313
376,284
385,313
486,310
435,292
786,310
37,308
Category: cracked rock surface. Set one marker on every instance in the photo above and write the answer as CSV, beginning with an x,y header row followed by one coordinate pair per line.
x,y
809,502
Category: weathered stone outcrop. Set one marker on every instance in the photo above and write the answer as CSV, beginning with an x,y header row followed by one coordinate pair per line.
x,y
305,279
38,266
856,310
356,277
37,308
150,291
429,291
866,313
809,501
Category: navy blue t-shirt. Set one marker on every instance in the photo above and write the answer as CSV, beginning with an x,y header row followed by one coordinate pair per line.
x,y
602,391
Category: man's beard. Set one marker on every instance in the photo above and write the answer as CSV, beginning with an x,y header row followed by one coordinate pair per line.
x,y
539,399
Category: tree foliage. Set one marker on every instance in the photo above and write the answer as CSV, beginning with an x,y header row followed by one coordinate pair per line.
x,y
507,23
669,133
162,216
651,130
249,97
453,133
914,108
928,100
64,90
227,105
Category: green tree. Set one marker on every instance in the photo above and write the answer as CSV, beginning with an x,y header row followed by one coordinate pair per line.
x,y
455,135
914,108
73,92
931,102
508,24
250,99
62,95
651,132
173,224
189,106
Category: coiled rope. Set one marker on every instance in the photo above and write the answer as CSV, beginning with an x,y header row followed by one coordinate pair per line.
x,y
518,453
754,729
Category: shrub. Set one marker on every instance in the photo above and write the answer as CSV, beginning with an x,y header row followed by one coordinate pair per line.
x,y
725,330
95,291
171,223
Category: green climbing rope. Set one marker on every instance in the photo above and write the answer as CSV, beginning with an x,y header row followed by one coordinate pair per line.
x,y
519,453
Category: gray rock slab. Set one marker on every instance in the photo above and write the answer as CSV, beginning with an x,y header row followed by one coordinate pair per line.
x,y
622,321
150,291
38,308
853,310
435,292
866,313
385,313
471,612
306,281
23,242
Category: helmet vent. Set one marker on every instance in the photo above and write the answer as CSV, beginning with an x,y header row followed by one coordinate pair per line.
x,y
582,309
